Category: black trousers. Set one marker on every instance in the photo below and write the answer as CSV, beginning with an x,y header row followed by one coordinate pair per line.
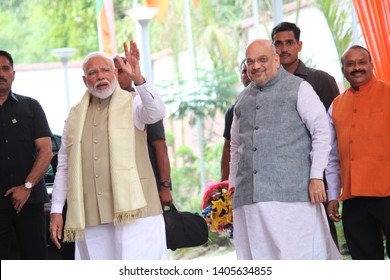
x,y
28,229
365,221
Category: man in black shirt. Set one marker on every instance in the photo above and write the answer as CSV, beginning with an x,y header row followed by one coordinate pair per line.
x,y
25,154
286,38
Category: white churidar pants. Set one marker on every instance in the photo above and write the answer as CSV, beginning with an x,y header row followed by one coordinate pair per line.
x,y
283,231
142,239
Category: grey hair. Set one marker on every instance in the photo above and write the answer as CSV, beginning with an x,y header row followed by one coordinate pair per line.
x,y
97,54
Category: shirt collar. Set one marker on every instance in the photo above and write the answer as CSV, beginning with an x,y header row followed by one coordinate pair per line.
x,y
13,96
364,86
301,69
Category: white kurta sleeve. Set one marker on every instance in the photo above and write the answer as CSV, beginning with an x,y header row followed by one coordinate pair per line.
x,y
60,186
148,106
313,115
332,171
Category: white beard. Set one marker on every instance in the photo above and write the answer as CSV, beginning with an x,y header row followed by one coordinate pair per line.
x,y
105,93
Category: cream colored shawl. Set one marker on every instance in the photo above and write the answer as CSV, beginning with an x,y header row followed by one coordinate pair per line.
x,y
129,199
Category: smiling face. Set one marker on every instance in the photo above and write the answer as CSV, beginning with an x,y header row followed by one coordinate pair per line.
x,y
262,62
100,76
357,66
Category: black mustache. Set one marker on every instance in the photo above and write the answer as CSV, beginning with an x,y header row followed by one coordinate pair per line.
x,y
3,79
357,71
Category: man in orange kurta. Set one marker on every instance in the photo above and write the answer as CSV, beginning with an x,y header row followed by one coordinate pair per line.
x,y
358,172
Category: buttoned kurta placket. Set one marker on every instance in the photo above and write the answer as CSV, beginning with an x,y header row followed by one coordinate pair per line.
x,y
98,197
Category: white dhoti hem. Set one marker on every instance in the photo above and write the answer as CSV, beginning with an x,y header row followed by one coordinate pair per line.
x,y
283,231
142,239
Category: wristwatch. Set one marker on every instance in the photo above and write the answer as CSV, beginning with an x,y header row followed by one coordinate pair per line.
x,y
166,184
28,185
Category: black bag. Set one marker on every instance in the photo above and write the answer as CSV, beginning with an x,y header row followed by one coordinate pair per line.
x,y
184,229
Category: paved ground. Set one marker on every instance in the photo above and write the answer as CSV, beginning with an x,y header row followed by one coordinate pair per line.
x,y
203,252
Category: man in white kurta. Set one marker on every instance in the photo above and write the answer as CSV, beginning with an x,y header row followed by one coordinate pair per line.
x,y
113,205
279,149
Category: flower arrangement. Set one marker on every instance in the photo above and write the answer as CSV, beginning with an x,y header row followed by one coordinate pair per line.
x,y
217,207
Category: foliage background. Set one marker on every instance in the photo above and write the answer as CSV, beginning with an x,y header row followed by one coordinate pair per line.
x,y
29,29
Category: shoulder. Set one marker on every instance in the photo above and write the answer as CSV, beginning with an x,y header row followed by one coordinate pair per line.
x,y
155,126
155,131
342,96
124,93
304,70
319,74
26,100
21,98
305,87
229,111
290,81
384,84
246,91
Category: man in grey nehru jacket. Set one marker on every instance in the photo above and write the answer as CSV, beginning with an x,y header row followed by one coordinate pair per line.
x,y
280,143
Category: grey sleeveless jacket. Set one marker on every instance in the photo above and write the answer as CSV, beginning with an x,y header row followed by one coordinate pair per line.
x,y
274,153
